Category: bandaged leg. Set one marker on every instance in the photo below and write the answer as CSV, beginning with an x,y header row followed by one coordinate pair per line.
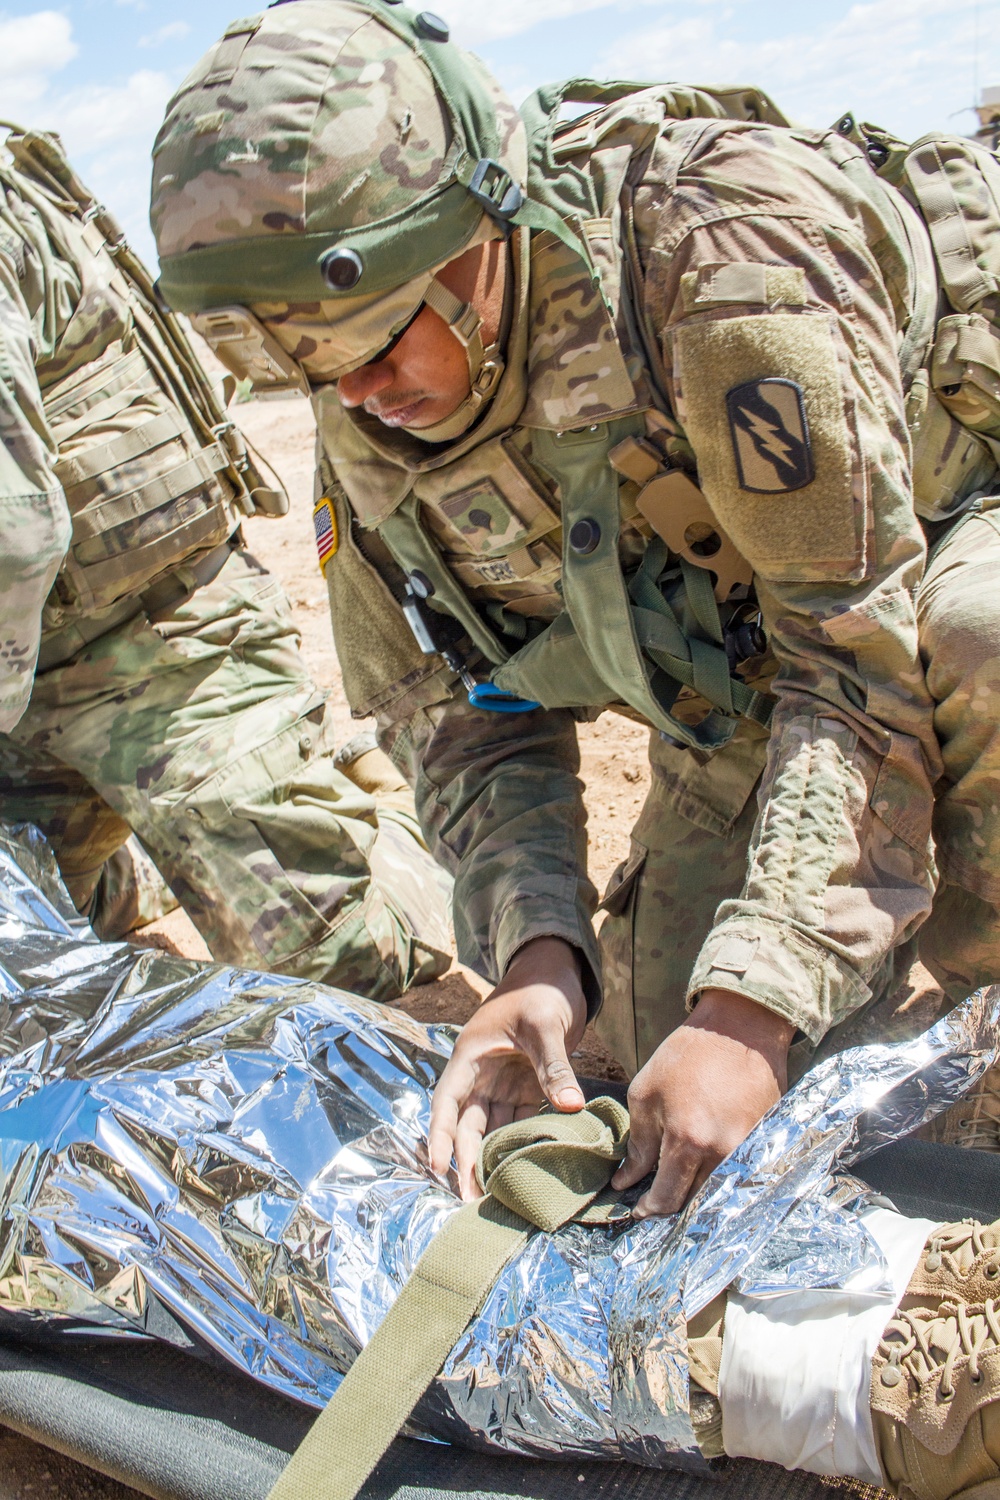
x,y
901,1391
825,1382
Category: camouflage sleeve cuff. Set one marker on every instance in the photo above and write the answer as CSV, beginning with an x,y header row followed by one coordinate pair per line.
x,y
535,914
782,969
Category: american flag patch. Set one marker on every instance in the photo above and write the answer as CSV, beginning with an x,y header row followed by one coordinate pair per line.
x,y
327,539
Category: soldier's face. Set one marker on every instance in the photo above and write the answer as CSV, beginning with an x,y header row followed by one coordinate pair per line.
x,y
425,376
422,380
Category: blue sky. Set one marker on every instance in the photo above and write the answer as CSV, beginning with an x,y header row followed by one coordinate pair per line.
x,y
101,71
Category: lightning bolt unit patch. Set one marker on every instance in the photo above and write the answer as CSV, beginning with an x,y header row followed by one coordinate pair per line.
x,y
767,419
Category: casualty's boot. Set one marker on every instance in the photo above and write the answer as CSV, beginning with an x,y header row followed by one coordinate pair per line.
x,y
974,1121
704,1335
935,1401
961,1262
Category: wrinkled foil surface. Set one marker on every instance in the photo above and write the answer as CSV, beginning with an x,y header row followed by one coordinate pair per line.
x,y
221,1158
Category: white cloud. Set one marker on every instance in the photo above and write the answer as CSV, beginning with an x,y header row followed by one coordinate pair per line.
x,y
32,48
108,130
907,64
174,31
102,115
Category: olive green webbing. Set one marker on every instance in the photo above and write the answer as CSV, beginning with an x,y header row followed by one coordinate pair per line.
x,y
700,664
539,1173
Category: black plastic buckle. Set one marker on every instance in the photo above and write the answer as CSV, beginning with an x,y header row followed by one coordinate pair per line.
x,y
493,187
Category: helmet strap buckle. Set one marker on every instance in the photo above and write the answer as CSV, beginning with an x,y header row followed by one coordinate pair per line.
x,y
492,186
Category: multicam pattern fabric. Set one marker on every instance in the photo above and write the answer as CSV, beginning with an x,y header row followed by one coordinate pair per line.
x,y
224,173
755,254
35,525
350,133
203,730
841,870
200,727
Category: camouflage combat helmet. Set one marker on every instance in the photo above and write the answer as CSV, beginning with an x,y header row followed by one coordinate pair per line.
x,y
315,170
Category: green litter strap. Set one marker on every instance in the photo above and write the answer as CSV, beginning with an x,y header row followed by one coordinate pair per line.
x,y
538,1173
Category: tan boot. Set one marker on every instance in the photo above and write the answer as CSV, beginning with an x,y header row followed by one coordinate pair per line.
x,y
130,894
974,1121
961,1262
370,768
704,1333
935,1398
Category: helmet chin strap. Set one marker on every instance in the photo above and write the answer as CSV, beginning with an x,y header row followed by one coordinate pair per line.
x,y
486,365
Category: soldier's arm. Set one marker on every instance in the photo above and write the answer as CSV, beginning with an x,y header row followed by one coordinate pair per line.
x,y
501,805
809,476
34,518
780,340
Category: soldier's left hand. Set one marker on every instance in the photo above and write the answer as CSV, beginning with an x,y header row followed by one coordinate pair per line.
x,y
700,1095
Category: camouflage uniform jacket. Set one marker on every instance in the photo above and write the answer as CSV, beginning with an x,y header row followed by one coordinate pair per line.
x,y
779,311
116,464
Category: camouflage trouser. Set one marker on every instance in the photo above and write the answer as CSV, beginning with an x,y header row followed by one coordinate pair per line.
x,y
689,846
130,893
201,730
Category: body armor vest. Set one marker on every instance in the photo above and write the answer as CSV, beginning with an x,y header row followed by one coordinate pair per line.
x,y
568,536
154,474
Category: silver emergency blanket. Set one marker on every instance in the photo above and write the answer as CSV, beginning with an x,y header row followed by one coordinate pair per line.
x,y
237,1161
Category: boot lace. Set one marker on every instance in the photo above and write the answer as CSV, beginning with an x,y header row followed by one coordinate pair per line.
x,y
963,1243
922,1344
980,1118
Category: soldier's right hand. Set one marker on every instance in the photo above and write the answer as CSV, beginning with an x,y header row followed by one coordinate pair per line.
x,y
511,1056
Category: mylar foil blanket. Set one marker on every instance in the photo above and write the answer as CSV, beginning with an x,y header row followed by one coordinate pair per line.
x,y
227,1159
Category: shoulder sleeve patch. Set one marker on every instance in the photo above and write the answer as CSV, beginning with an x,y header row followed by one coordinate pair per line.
x,y
770,433
773,424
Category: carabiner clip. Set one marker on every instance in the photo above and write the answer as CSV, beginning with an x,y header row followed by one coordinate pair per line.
x,y
487,695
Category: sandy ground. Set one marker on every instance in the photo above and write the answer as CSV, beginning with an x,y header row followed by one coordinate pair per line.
x,y
614,771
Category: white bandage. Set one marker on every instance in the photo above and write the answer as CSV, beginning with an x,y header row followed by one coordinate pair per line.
x,y
796,1368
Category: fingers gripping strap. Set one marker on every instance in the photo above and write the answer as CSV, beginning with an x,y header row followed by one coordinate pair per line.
x,y
550,1168
553,1164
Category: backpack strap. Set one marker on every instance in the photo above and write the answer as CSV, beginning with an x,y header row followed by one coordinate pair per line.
x,y
946,175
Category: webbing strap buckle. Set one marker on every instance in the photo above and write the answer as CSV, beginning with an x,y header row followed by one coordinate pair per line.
x,y
492,186
107,225
234,443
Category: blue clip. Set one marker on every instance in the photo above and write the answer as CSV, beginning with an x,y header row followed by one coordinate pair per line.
x,y
487,695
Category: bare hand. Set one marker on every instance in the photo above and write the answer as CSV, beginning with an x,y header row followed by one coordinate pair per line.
x,y
700,1095
511,1056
